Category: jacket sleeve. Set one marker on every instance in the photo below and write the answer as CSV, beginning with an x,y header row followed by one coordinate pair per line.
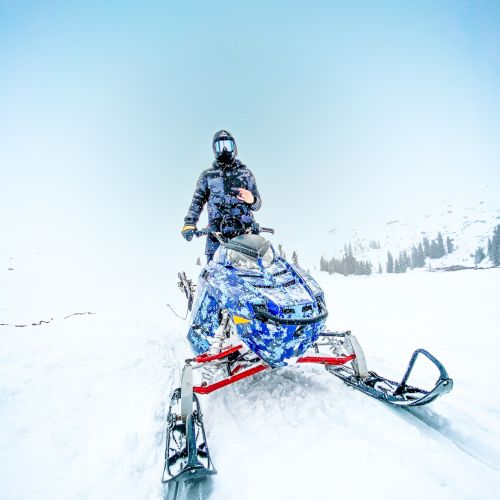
x,y
252,187
200,197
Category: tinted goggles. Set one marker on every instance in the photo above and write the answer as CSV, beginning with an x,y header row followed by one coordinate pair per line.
x,y
224,145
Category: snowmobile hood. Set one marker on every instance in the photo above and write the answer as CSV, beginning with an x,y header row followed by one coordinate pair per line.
x,y
280,286
283,313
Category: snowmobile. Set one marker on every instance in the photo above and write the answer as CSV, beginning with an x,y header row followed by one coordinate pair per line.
x,y
253,311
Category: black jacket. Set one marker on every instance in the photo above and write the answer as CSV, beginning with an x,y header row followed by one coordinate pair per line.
x,y
214,189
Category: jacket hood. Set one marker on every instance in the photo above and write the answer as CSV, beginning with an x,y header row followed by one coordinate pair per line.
x,y
224,135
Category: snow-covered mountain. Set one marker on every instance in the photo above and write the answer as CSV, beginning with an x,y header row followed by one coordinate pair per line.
x,y
467,221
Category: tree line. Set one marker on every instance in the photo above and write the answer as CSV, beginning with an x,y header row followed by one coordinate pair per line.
x,y
434,249
347,265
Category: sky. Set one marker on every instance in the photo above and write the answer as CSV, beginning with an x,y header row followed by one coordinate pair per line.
x,y
347,113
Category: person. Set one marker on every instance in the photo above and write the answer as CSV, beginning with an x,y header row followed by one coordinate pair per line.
x,y
228,189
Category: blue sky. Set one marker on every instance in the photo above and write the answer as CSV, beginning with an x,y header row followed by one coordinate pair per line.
x,y
347,112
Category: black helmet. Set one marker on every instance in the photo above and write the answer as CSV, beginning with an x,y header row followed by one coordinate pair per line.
x,y
224,146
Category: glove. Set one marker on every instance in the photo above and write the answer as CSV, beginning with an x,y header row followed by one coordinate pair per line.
x,y
188,231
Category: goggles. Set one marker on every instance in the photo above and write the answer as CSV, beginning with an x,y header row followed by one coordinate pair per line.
x,y
224,145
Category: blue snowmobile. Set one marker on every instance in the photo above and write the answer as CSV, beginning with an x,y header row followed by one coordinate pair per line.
x,y
253,311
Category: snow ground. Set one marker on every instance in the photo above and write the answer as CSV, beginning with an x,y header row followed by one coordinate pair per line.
x,y
83,399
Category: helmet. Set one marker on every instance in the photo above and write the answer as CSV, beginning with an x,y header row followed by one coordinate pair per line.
x,y
224,146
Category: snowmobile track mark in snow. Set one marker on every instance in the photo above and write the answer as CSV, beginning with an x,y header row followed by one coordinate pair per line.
x,y
444,427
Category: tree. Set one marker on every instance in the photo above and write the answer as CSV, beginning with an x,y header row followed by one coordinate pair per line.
x,y
404,261
494,253
479,255
421,256
295,259
434,250
198,261
417,257
397,269
323,264
380,268
281,252
440,246
390,263
414,257
347,265
427,247
449,245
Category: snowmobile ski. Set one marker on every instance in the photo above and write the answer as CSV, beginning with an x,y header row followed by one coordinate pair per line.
x,y
186,455
396,393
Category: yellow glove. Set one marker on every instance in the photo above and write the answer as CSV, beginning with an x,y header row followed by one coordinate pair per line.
x,y
188,231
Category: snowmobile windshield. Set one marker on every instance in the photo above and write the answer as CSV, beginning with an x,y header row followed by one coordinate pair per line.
x,y
246,250
224,144
242,261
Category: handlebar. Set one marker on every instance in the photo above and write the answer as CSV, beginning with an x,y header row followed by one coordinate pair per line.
x,y
203,232
206,231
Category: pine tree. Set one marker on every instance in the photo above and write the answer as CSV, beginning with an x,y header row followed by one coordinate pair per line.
x,y
421,256
449,245
404,261
414,257
495,247
479,255
434,250
323,265
380,268
343,267
427,247
198,261
368,267
390,263
360,268
440,246
295,259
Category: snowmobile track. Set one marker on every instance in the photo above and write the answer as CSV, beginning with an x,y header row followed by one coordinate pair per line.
x,y
477,450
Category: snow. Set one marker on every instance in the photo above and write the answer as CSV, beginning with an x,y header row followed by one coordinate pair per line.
x,y
83,400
